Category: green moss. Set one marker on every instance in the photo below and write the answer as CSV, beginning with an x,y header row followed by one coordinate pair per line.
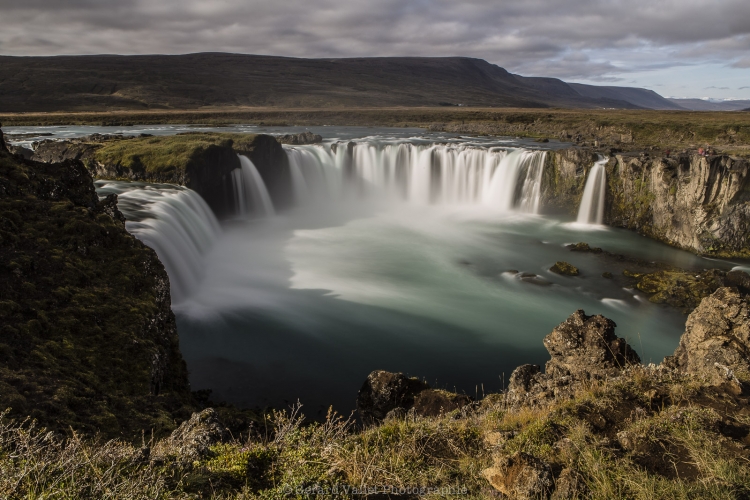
x,y
166,154
564,269
677,287
78,293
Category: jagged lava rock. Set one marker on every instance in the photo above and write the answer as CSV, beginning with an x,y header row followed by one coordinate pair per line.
x,y
521,476
582,348
389,395
716,342
587,345
384,391
2,140
194,438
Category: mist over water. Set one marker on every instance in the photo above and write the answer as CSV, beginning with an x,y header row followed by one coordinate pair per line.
x,y
404,255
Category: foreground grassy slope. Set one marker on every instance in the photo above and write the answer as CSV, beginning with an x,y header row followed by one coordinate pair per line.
x,y
625,129
88,338
649,435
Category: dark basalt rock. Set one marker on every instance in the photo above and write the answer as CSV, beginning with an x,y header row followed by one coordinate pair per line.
x,y
739,280
584,247
587,346
391,395
3,147
270,159
300,139
107,340
21,151
690,201
564,269
384,391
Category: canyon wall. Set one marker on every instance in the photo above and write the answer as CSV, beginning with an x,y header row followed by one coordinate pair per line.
x,y
201,162
89,339
690,201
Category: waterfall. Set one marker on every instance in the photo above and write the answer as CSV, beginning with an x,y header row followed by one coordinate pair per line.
x,y
421,174
592,203
175,222
250,193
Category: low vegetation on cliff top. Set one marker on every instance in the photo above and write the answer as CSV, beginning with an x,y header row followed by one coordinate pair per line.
x,y
166,153
728,131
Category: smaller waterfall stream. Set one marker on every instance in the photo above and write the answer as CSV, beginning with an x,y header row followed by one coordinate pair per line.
x,y
175,222
251,195
591,210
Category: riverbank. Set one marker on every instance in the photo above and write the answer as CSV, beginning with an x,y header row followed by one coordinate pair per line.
x,y
728,132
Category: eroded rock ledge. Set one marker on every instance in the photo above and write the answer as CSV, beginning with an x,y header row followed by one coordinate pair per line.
x,y
688,200
88,335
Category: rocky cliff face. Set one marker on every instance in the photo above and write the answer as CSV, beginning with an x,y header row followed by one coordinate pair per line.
x,y
88,336
691,201
202,162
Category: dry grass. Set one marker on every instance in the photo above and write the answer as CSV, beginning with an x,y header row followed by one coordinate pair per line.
x,y
628,129
641,437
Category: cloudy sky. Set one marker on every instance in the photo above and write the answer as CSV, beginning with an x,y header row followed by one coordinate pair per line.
x,y
681,48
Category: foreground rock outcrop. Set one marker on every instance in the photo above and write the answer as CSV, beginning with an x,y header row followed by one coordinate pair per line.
x,y
716,344
385,394
88,335
583,349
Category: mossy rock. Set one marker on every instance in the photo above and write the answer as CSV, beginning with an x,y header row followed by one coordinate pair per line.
x,y
89,338
564,269
679,288
584,247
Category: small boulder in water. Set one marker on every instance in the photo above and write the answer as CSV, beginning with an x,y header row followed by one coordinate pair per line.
x,y
534,279
607,275
584,247
565,269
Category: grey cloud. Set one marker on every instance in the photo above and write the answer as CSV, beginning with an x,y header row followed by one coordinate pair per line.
x,y
595,39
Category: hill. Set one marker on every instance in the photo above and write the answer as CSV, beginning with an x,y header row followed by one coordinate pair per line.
x,y
705,105
643,98
110,82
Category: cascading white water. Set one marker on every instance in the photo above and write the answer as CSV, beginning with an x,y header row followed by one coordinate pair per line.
x,y
175,222
591,210
422,174
250,192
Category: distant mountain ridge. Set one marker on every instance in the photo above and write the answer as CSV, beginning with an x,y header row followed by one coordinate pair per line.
x,y
191,81
705,105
